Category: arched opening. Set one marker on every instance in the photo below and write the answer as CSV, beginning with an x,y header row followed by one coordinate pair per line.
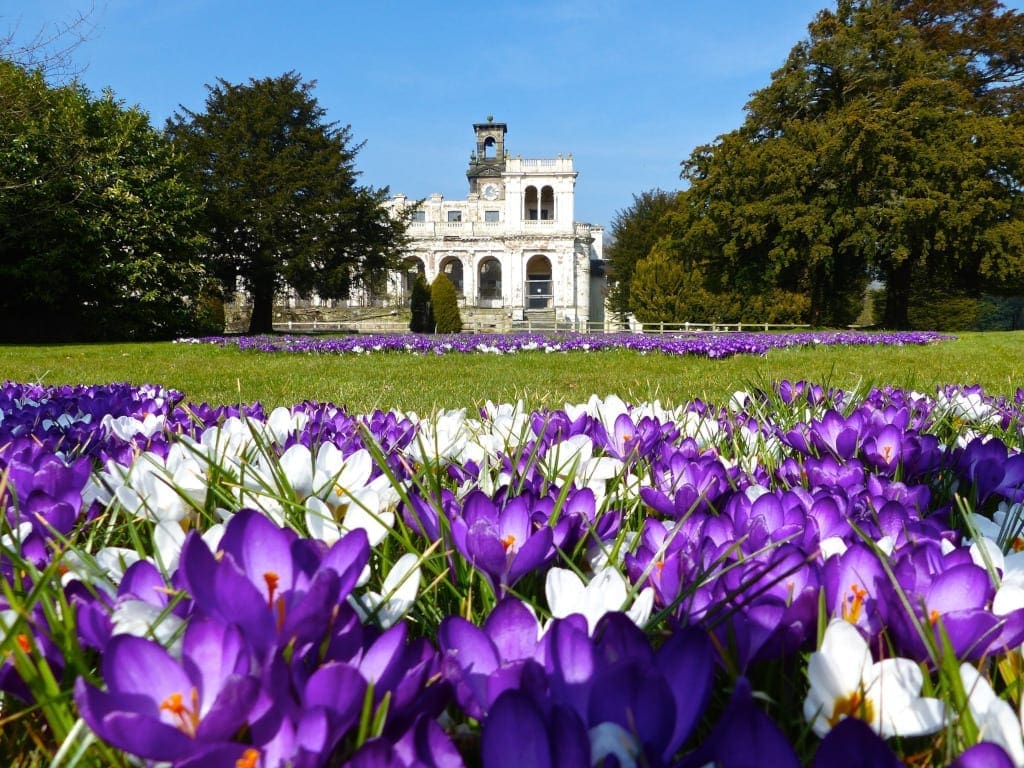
x,y
411,268
489,147
452,269
547,203
531,203
538,282
489,282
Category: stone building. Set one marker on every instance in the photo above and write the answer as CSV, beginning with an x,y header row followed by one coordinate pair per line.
x,y
512,247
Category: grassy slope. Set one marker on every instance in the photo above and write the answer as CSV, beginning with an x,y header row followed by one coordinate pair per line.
x,y
362,383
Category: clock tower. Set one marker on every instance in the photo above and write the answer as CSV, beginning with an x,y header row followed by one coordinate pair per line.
x,y
487,162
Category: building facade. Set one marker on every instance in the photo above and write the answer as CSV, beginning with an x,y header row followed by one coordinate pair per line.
x,y
512,245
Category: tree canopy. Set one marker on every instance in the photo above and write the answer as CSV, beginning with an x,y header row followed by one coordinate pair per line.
x,y
634,232
283,204
97,225
887,147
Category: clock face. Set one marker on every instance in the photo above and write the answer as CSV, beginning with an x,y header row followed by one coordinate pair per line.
x,y
490,191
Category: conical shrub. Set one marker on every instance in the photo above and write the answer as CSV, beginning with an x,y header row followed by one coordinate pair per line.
x,y
445,303
422,320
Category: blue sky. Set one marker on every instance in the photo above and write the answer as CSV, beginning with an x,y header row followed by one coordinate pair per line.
x,y
629,88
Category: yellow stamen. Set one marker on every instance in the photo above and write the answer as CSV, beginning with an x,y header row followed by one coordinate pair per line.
x,y
853,705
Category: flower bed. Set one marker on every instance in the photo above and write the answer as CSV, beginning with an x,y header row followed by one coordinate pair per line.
x,y
712,345
800,576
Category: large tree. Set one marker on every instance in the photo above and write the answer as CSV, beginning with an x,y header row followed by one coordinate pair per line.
x,y
634,232
97,226
283,204
883,148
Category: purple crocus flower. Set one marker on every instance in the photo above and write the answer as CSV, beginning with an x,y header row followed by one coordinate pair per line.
x,y
159,708
644,701
853,744
983,755
48,491
956,602
275,587
744,736
503,543
857,587
519,733
481,663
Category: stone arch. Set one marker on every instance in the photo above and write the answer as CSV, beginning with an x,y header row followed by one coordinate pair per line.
x,y
531,203
547,202
452,268
538,282
489,147
489,279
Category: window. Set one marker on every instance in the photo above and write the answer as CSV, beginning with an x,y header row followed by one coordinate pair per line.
x,y
419,217
491,216
454,216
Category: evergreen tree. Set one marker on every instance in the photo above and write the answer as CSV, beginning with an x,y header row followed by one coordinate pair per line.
x,y
875,152
445,304
97,222
283,205
634,232
422,320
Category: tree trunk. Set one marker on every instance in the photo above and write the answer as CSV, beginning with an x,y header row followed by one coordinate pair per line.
x,y
262,319
897,296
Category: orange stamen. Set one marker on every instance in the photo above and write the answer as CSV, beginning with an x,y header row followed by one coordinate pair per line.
x,y
272,580
280,613
851,612
187,717
248,759
508,542
23,642
933,617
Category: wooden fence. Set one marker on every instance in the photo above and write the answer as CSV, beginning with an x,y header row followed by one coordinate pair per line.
x,y
529,326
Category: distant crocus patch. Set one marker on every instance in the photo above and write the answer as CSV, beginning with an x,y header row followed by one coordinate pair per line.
x,y
804,576
703,344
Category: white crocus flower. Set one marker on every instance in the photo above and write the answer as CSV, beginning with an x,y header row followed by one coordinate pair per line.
x,y
440,438
995,718
346,498
397,595
127,427
705,430
142,619
607,591
845,682
158,489
282,424
364,510
507,426
169,538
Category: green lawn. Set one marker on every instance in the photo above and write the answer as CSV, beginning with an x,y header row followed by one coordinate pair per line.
x,y
362,383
